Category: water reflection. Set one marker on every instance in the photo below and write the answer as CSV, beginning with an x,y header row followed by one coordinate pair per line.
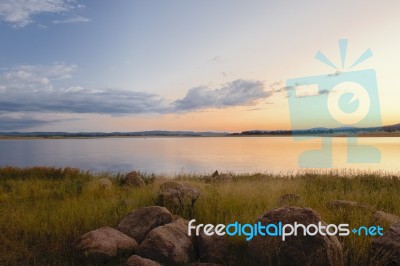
x,y
174,155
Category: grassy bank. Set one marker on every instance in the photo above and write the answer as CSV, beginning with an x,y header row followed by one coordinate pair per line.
x,y
43,210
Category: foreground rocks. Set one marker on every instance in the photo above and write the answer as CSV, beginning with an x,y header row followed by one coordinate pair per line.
x,y
139,222
296,250
152,236
179,197
169,244
104,244
213,249
386,249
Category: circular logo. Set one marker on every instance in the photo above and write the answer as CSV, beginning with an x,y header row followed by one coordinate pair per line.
x,y
348,103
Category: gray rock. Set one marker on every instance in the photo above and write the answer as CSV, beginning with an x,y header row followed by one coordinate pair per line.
x,y
295,250
104,244
213,249
179,197
288,199
105,182
133,179
139,222
169,244
386,249
384,217
135,260
347,204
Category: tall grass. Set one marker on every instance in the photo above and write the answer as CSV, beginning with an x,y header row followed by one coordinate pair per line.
x,y
43,210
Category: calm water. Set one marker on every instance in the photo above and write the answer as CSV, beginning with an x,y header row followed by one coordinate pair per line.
x,y
175,155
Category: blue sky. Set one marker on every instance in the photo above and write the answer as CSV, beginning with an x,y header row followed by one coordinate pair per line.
x,y
70,65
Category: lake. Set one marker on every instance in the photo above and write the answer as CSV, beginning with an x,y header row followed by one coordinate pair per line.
x,y
172,155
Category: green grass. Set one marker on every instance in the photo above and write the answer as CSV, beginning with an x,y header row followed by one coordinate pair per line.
x,y
43,210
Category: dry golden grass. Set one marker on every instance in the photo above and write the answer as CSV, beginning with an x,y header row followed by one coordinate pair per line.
x,y
43,210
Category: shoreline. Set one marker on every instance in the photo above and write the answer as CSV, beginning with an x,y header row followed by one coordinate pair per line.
x,y
369,135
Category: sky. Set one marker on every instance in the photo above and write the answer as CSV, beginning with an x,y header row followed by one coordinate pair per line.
x,y
127,65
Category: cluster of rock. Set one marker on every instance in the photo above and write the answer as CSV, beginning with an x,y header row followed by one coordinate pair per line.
x,y
154,236
151,236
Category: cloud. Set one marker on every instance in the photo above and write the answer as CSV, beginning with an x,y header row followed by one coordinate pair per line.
x,y
20,13
71,20
31,88
21,120
235,93
36,89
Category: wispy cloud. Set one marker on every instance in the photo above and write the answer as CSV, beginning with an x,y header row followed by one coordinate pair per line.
x,y
235,93
71,20
20,13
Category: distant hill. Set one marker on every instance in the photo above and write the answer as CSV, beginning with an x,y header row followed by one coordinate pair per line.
x,y
154,133
163,133
327,131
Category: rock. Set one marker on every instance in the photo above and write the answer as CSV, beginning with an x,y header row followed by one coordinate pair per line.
x,y
386,249
347,204
288,199
139,222
169,244
179,197
105,182
215,174
213,249
135,260
104,244
133,179
295,250
384,217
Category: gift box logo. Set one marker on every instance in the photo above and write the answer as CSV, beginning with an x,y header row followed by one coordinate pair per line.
x,y
346,99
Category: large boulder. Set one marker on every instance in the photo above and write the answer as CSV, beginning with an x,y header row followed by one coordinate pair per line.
x,y
386,249
384,217
179,197
133,179
139,222
136,260
295,250
104,244
213,249
169,244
